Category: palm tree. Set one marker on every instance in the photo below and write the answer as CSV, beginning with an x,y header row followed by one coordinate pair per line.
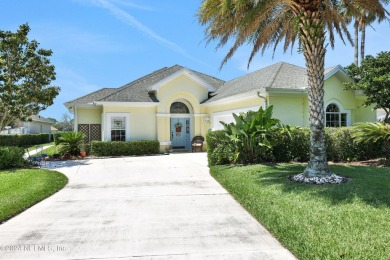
x,y
367,19
362,18
266,23
374,132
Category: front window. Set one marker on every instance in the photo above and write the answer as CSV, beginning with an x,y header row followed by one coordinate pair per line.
x,y
334,118
118,129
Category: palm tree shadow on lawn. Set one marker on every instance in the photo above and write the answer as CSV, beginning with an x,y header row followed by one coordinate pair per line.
x,y
370,184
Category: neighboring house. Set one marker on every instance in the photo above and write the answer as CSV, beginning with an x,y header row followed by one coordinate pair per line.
x,y
174,104
34,125
53,129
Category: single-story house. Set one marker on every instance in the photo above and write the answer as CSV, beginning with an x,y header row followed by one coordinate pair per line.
x,y
174,104
35,124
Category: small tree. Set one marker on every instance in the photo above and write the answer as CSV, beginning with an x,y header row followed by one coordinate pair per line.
x,y
252,135
25,76
65,124
373,78
70,142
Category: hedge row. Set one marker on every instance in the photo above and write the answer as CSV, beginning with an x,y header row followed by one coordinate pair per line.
x,y
56,137
341,147
24,139
99,148
11,157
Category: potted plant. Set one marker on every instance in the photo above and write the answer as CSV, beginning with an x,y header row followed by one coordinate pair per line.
x,y
83,153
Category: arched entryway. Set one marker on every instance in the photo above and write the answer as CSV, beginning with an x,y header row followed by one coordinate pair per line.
x,y
180,127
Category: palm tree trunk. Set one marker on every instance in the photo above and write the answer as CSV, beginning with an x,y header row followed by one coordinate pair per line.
x,y
362,43
314,50
356,43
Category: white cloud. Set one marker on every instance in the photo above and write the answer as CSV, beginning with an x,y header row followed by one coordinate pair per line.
x,y
130,20
75,39
133,5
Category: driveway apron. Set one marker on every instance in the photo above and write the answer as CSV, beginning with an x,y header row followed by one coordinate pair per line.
x,y
153,207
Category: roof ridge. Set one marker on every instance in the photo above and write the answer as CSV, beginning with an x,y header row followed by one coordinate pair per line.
x,y
207,75
143,77
136,81
272,80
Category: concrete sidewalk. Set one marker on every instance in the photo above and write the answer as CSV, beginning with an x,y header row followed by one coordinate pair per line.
x,y
33,152
155,207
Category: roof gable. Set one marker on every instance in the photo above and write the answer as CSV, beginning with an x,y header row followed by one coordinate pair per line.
x,y
337,71
188,73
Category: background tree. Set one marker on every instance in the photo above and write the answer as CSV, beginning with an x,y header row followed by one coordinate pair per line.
x,y
25,76
65,124
373,78
52,119
361,18
267,23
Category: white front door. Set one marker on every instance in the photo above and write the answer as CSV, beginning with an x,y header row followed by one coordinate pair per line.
x,y
180,133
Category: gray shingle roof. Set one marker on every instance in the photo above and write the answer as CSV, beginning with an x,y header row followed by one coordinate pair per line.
x,y
39,119
279,75
94,96
138,90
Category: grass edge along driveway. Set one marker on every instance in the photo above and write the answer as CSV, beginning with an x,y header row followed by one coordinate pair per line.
x,y
349,221
22,188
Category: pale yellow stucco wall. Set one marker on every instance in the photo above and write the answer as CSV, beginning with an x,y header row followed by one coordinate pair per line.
x,y
182,84
334,90
290,110
89,115
143,123
364,114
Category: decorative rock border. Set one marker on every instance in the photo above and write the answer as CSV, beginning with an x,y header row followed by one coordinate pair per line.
x,y
331,179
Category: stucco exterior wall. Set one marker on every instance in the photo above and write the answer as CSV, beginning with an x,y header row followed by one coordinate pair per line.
x,y
364,114
143,123
334,90
181,84
290,110
89,115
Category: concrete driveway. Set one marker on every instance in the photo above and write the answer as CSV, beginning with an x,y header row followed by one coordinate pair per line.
x,y
155,207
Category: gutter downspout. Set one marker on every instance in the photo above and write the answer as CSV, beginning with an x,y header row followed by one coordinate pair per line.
x,y
264,98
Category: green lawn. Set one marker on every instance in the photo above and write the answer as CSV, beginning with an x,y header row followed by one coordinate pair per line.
x,y
350,221
51,150
33,147
22,188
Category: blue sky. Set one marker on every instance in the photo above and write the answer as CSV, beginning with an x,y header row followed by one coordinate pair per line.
x,y
108,43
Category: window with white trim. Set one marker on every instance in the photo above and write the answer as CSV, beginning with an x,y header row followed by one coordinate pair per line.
x,y
118,129
333,116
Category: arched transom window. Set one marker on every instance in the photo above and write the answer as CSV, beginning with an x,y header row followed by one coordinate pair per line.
x,y
179,108
334,118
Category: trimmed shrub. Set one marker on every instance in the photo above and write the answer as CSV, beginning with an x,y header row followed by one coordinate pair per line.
x,y
24,140
56,137
294,148
341,146
11,157
100,148
218,148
